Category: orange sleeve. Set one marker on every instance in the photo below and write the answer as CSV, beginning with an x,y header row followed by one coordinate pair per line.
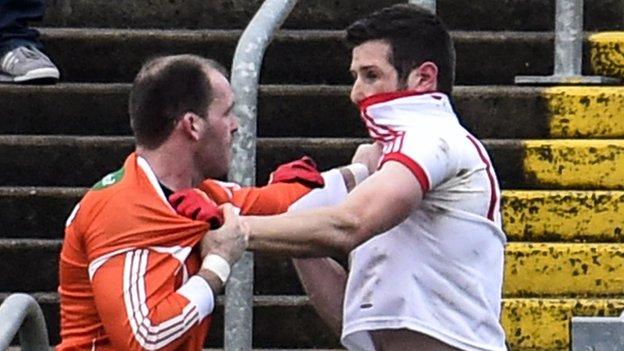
x,y
139,307
266,200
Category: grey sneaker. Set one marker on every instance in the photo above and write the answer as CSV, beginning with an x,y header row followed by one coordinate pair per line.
x,y
26,64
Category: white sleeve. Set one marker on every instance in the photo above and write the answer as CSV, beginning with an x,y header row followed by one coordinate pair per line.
x,y
334,191
430,158
199,293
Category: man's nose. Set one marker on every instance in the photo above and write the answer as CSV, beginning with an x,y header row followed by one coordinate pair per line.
x,y
233,125
356,93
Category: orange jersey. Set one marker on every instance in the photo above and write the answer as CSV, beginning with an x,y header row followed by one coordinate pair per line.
x,y
127,256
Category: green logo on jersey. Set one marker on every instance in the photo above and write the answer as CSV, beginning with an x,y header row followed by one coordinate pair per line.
x,y
109,180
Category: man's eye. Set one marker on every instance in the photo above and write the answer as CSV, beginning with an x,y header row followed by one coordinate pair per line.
x,y
371,76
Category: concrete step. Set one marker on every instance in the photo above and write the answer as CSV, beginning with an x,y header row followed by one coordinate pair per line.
x,y
295,111
296,57
530,324
559,216
460,14
531,269
607,54
520,164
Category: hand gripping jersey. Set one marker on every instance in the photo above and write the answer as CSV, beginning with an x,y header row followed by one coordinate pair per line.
x,y
440,271
127,258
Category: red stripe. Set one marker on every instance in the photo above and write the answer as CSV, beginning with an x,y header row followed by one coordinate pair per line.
x,y
488,170
416,169
402,137
383,132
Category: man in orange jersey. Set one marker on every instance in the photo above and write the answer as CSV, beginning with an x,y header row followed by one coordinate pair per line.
x,y
133,273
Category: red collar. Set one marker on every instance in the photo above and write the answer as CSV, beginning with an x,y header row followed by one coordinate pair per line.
x,y
384,97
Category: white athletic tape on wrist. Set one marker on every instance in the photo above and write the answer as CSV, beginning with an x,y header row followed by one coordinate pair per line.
x,y
359,171
218,265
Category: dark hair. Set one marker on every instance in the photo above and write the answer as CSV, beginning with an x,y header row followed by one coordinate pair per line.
x,y
415,36
164,90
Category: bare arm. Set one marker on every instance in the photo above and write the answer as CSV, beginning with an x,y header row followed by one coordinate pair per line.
x,y
324,280
381,202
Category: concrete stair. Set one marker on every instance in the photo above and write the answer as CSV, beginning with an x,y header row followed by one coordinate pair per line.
x,y
499,15
531,324
528,215
498,112
558,151
324,57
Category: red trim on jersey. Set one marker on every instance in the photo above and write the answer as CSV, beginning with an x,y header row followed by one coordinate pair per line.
x,y
488,170
384,97
379,132
412,165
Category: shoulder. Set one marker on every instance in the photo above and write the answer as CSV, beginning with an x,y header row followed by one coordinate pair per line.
x,y
103,197
219,191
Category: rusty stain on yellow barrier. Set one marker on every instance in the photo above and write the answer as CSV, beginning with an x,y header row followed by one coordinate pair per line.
x,y
534,215
564,269
607,54
543,324
585,111
581,164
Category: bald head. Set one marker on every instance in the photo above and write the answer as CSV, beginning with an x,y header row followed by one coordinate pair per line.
x,y
165,89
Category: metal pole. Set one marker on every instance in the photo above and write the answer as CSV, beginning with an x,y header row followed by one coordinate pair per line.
x,y
427,4
596,334
568,49
245,75
568,37
20,312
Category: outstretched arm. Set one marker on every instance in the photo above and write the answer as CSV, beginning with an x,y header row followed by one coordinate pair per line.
x,y
381,202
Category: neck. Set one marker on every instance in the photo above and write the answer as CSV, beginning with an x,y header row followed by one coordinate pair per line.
x,y
172,168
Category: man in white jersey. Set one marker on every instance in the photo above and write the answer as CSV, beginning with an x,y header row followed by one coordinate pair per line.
x,y
423,233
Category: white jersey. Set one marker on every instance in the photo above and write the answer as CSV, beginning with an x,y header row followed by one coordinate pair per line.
x,y
440,271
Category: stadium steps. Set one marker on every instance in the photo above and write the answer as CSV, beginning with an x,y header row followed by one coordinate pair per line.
x,y
520,164
558,151
532,269
531,324
528,15
528,215
293,111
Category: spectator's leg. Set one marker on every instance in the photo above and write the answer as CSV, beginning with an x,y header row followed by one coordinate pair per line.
x,y
14,18
20,58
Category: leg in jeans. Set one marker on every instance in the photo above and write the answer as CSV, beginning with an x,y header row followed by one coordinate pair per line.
x,y
14,18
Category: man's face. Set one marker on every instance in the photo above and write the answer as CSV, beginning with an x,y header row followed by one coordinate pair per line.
x,y
214,151
372,71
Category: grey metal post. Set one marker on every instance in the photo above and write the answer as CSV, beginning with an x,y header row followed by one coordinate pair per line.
x,y
597,334
568,54
568,37
20,312
245,75
428,4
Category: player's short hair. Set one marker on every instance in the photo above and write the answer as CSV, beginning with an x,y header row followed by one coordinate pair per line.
x,y
164,90
415,36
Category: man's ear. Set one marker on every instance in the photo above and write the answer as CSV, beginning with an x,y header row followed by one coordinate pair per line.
x,y
190,125
423,78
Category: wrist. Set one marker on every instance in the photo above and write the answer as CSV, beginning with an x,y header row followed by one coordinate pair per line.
x,y
360,172
218,265
214,282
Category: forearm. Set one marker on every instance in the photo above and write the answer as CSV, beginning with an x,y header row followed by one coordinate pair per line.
x,y
322,232
135,319
324,280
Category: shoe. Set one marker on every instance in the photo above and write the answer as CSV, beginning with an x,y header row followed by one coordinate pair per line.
x,y
26,64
